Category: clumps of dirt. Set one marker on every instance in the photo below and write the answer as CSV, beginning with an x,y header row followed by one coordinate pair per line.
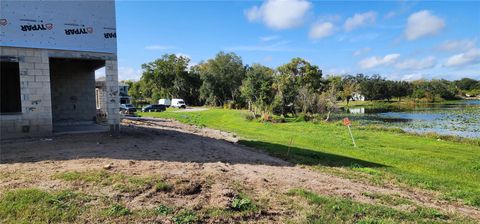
x,y
222,196
187,187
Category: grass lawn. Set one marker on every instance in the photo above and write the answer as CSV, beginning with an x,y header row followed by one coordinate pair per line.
x,y
321,209
451,168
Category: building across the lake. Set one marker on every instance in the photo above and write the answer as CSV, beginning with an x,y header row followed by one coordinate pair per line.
x,y
356,96
49,52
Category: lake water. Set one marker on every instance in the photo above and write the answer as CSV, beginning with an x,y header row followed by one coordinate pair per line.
x,y
460,118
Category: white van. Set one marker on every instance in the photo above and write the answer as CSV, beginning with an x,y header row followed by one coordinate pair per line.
x,y
166,102
178,103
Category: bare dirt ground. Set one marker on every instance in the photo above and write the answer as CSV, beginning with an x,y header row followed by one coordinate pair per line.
x,y
205,160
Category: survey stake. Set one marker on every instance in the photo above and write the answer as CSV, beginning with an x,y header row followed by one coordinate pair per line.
x,y
347,123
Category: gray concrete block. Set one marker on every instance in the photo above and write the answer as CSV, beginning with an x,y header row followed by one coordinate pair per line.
x,y
40,66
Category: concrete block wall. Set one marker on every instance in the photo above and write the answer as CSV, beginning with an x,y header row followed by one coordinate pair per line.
x,y
36,115
112,99
35,119
73,92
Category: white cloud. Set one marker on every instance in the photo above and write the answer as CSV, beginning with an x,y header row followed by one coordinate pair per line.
x,y
415,64
129,73
361,51
269,38
359,20
390,14
404,7
159,47
412,77
470,57
458,45
337,71
423,23
280,14
373,62
321,30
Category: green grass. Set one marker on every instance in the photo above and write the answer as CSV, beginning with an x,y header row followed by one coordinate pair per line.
x,y
38,206
381,155
95,176
119,181
162,186
323,209
393,200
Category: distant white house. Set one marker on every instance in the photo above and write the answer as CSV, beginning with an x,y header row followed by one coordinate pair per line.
x,y
356,96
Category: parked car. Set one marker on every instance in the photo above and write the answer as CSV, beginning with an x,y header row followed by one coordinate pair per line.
x,y
154,108
178,103
127,109
166,102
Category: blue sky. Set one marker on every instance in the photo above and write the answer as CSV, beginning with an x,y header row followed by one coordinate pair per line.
x,y
397,39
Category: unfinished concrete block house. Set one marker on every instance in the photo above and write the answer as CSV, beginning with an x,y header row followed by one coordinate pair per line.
x,y
49,52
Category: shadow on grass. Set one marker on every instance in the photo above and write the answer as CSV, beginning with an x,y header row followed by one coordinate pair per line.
x,y
308,157
153,144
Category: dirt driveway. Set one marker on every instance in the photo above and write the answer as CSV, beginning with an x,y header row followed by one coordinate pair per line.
x,y
191,109
206,158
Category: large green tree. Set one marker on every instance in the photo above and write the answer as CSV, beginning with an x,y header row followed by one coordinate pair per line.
x,y
286,91
169,77
257,87
374,88
306,74
295,81
467,84
221,78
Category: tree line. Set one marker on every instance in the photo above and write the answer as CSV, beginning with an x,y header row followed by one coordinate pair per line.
x,y
295,87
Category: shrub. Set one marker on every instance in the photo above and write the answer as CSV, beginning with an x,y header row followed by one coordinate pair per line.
x,y
266,117
303,117
249,116
278,120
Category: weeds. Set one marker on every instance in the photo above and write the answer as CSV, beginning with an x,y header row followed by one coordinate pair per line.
x,y
393,200
185,217
242,204
163,210
117,210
